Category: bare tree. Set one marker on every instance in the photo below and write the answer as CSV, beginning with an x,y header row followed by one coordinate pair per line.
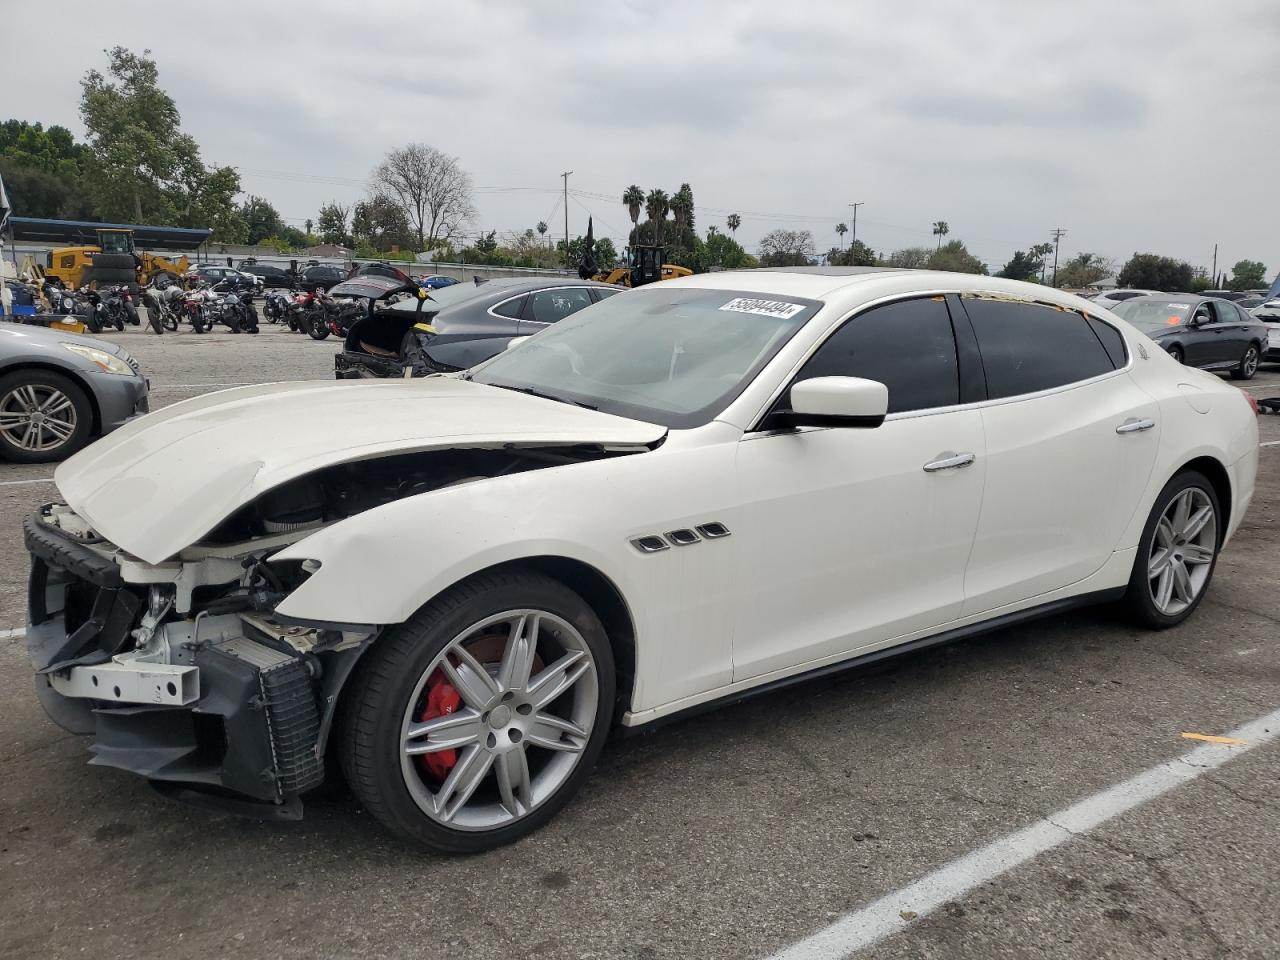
x,y
433,191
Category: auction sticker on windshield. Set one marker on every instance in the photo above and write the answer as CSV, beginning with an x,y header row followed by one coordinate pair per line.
x,y
765,308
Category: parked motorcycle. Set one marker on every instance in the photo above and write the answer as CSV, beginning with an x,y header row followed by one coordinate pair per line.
x,y
164,303
276,307
233,308
309,313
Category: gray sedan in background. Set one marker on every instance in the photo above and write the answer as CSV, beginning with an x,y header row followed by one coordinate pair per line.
x,y
58,391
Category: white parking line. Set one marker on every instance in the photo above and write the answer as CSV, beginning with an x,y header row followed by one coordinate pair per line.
x,y
13,634
889,914
18,483
192,386
1270,443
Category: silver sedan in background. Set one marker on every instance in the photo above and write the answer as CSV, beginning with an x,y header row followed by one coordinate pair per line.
x,y
59,391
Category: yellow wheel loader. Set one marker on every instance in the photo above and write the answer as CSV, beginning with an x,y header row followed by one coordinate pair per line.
x,y
644,266
113,260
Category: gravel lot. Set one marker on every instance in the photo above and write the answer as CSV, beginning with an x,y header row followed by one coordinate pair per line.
x,y
732,835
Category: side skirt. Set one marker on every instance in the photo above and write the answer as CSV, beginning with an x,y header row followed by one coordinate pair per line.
x,y
911,646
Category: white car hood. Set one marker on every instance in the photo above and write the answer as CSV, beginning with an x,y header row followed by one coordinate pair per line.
x,y
159,483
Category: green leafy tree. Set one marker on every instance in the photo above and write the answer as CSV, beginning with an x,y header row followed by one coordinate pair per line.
x,y
909,258
1150,271
657,204
786,248
633,197
954,257
1248,275
140,165
682,211
1084,269
940,230
722,252
1021,266
261,219
605,252
857,254
380,223
52,151
331,221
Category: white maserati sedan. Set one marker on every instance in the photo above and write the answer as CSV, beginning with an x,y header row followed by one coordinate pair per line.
x,y
700,489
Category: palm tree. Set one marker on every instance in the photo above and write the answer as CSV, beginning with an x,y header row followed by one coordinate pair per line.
x,y
307,223
633,197
940,230
734,222
682,206
841,230
542,228
656,206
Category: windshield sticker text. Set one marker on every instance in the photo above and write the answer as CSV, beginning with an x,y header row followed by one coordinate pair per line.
x,y
765,308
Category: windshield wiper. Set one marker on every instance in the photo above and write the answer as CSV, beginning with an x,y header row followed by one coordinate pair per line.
x,y
545,396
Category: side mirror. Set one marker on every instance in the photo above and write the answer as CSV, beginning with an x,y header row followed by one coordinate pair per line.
x,y
514,342
835,402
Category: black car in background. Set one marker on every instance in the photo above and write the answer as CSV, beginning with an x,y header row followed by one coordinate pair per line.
x,y
272,277
455,327
1200,331
324,277
228,278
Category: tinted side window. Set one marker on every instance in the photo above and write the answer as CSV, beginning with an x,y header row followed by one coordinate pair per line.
x,y
512,308
552,305
1112,342
605,294
908,346
1027,347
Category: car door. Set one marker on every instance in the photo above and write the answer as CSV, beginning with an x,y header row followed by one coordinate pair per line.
x,y
1071,441
548,306
1198,338
848,538
1237,331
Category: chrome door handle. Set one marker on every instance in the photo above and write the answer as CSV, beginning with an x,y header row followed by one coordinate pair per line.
x,y
949,461
1134,425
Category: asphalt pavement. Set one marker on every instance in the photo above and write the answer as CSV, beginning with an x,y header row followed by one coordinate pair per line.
x,y
741,833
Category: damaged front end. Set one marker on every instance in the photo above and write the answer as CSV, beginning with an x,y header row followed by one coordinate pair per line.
x,y
182,671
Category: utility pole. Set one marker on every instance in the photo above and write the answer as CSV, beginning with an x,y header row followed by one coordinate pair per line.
x,y
565,177
1215,265
855,222
1058,234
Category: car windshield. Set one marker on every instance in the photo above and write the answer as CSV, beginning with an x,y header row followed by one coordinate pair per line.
x,y
672,356
1150,316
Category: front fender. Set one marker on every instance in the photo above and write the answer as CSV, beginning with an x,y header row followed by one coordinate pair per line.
x,y
381,566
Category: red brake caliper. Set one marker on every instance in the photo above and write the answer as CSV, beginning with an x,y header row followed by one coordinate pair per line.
x,y
442,700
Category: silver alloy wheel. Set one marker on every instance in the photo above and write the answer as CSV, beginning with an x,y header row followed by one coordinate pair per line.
x,y
1250,364
37,417
1182,551
518,734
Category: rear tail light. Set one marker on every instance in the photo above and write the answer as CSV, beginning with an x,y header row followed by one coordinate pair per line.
x,y
1252,401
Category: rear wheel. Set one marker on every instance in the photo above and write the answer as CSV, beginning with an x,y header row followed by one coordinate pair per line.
x,y
1177,553
1248,365
1177,354
476,721
44,416
131,314
317,326
153,319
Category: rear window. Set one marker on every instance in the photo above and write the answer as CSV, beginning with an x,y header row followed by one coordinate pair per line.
x,y
1028,347
1112,341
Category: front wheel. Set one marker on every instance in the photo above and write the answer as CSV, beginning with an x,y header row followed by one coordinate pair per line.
x,y
1177,354
317,326
1177,553
154,321
131,315
44,416
476,721
1248,365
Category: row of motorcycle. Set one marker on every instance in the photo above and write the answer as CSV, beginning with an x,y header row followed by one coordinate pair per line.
x,y
167,306
312,312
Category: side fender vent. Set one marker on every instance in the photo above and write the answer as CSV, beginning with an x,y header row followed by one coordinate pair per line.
x,y
649,544
683,537
713,531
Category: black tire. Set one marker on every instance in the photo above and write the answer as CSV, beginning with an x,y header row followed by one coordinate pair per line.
x,y
115,261
375,700
11,449
153,320
317,326
131,314
251,320
1247,369
163,278
91,321
171,321
118,320
197,321
1177,354
104,277
1138,602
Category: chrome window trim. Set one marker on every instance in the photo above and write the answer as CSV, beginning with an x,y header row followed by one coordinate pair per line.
x,y
543,323
755,431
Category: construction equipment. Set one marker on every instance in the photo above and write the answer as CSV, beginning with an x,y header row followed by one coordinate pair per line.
x,y
644,265
113,260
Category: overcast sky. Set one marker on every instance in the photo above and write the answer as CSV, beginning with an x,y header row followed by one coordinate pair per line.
x,y
1133,125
